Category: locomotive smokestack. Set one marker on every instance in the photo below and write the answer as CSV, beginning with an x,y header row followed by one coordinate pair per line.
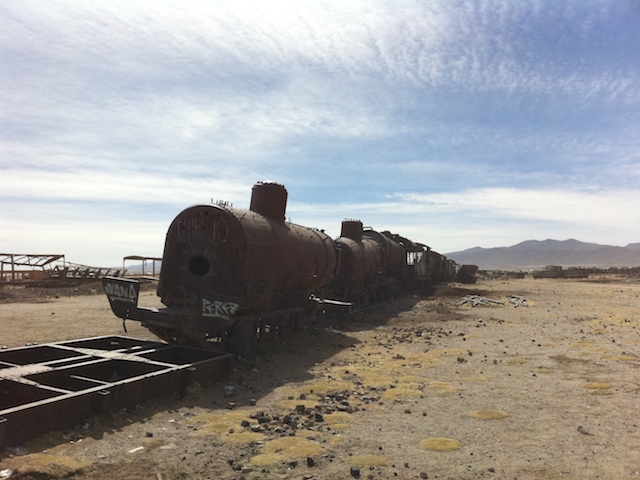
x,y
270,200
352,229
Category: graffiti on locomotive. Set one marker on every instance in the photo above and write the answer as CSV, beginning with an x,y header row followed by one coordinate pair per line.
x,y
214,230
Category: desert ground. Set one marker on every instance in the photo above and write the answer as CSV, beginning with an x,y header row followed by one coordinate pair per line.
x,y
421,387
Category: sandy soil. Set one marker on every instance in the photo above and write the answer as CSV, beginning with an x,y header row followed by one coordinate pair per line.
x,y
417,388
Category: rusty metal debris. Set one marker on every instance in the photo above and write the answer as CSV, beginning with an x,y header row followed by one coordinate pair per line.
x,y
478,300
51,386
518,301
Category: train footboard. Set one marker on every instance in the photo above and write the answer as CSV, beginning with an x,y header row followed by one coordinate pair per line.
x,y
123,295
171,325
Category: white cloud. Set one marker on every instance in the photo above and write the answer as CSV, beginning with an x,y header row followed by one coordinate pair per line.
x,y
490,217
610,208
120,186
163,104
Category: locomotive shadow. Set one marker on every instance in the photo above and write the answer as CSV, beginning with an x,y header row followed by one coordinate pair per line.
x,y
291,358
441,300
282,360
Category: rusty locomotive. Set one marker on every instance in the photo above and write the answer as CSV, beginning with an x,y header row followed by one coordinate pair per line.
x,y
231,276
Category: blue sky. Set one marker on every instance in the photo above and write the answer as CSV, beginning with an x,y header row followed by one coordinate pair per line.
x,y
454,123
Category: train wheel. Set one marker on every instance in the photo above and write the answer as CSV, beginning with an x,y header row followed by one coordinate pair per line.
x,y
242,340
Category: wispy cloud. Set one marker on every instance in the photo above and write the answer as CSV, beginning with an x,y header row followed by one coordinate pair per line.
x,y
490,119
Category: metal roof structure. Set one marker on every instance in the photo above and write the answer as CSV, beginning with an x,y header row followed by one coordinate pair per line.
x,y
10,264
144,261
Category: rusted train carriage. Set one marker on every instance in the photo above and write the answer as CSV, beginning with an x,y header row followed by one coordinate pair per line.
x,y
229,275
372,265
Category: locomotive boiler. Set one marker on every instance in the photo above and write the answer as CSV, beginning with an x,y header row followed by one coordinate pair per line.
x,y
229,275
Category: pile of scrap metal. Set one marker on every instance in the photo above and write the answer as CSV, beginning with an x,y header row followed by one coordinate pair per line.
x,y
556,271
467,274
476,300
501,274
518,301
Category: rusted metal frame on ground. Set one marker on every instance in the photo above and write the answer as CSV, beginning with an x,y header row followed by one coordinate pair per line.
x,y
51,386
518,301
478,300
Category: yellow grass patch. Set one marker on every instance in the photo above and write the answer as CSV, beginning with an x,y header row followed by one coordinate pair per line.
x,y
219,423
242,438
367,460
46,465
600,349
620,358
545,370
441,444
476,378
375,377
340,426
518,361
338,420
443,387
337,417
286,448
598,388
325,386
582,343
408,390
488,414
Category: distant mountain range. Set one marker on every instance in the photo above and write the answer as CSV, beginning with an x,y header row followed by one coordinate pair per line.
x,y
534,254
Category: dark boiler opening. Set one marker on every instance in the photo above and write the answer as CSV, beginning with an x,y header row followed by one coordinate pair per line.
x,y
199,266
